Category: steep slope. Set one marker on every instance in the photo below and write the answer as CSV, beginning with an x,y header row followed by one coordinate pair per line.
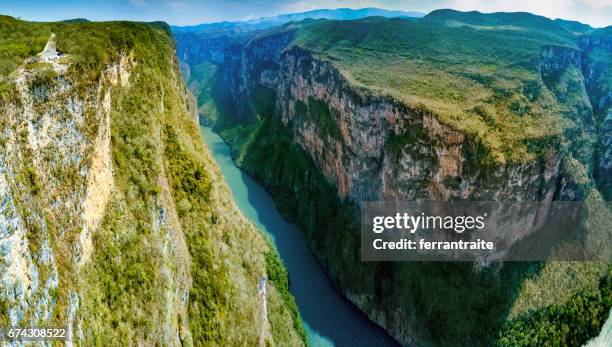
x,y
452,106
115,221
597,54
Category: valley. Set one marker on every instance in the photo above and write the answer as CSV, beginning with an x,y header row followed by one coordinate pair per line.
x,y
327,114
321,306
204,185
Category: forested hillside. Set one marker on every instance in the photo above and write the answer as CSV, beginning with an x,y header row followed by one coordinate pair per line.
x,y
115,221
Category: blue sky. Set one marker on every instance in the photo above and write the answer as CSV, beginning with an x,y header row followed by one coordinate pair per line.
x,y
187,12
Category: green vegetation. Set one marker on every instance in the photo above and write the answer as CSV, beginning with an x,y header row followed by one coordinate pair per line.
x,y
130,292
477,73
239,137
28,179
570,324
190,180
20,40
279,277
413,137
200,84
263,100
453,303
44,75
319,112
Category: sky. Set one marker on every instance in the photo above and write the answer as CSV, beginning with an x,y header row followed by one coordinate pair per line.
x,y
597,13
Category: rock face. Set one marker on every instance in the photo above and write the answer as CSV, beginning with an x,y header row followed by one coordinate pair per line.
x,y
596,70
369,146
373,147
46,142
115,221
377,148
210,49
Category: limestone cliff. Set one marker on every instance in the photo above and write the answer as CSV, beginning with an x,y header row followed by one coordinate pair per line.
x,y
114,219
596,69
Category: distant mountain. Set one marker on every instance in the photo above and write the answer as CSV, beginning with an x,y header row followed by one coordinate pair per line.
x,y
338,14
574,27
208,41
266,22
77,20
512,21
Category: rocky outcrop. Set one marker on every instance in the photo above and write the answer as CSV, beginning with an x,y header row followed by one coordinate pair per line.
x,y
379,148
57,174
55,162
246,67
100,181
211,49
373,147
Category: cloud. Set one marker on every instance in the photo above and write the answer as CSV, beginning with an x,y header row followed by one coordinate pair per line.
x,y
549,8
594,12
598,3
307,5
139,3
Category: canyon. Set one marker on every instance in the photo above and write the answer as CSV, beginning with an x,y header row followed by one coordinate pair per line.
x,y
124,219
329,114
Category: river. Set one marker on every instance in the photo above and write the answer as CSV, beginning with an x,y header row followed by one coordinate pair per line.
x,y
329,318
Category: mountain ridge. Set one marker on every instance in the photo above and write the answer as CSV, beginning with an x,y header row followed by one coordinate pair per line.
x,y
339,13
